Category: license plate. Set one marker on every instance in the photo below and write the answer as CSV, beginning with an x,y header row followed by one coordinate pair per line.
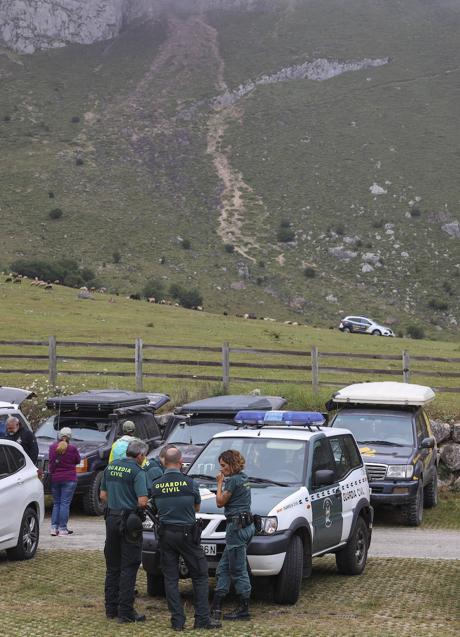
x,y
209,549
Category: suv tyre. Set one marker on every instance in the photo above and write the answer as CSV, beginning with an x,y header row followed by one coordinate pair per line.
x,y
413,511
155,585
430,493
376,333
351,560
92,505
289,580
28,537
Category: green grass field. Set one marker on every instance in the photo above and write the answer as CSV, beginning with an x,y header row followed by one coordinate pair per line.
x,y
61,592
34,314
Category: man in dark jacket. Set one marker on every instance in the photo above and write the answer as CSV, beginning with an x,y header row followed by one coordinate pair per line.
x,y
23,436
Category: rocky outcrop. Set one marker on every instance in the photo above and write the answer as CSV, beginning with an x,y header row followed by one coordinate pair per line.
x,y
448,439
28,25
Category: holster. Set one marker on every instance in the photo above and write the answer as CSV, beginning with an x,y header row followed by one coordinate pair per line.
x,y
196,532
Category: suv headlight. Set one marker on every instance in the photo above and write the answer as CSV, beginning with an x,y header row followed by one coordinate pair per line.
x,y
400,471
268,525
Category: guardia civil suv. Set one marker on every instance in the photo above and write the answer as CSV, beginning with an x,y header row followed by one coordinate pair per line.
x,y
309,487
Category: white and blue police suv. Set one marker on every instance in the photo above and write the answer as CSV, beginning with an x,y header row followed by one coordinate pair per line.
x,y
309,487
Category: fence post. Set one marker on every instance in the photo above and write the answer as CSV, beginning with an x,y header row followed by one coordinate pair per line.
x,y
226,366
138,364
52,361
314,369
406,366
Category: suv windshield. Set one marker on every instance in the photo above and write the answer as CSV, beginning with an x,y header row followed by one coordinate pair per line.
x,y
378,428
270,459
83,429
197,434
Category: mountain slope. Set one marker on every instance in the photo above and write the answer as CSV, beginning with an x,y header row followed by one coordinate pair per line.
x,y
334,124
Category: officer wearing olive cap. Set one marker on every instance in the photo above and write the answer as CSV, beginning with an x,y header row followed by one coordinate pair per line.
x,y
124,490
177,498
119,446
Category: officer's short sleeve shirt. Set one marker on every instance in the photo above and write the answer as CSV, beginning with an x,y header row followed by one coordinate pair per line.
x,y
175,496
238,486
125,481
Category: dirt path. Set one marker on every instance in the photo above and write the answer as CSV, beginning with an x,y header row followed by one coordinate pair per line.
x,y
89,534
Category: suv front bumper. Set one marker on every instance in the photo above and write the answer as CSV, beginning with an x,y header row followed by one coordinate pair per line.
x,y
265,553
395,492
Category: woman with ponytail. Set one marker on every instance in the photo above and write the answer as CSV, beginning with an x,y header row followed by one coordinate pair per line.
x,y
63,458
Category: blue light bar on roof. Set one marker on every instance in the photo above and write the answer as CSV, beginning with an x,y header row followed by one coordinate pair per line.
x,y
299,418
302,418
250,417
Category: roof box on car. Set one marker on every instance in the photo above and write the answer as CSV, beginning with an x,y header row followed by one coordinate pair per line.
x,y
105,400
232,404
385,393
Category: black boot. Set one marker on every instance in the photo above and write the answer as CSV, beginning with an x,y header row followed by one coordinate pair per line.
x,y
241,612
216,603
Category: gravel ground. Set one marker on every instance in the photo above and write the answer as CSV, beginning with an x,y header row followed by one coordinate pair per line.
x,y
436,544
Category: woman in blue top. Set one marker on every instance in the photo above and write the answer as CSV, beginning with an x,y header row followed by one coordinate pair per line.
x,y
233,493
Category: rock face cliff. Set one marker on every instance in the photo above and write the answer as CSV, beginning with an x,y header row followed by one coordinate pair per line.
x,y
29,25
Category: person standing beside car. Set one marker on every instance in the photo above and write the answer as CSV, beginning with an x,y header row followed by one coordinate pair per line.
x,y
63,460
23,436
234,493
124,490
120,446
177,499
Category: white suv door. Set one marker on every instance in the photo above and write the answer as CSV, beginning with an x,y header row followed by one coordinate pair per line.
x,y
11,499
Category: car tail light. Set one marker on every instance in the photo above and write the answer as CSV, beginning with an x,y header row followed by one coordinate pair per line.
x,y
82,467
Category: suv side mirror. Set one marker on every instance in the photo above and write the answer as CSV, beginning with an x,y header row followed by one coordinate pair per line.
x,y
428,443
324,477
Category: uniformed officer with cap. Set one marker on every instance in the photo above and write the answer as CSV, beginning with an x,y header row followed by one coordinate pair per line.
x,y
177,498
124,490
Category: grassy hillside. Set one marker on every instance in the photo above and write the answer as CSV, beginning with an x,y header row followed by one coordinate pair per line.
x,y
122,136
34,314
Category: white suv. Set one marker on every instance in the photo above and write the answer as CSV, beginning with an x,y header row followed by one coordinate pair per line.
x,y
22,504
309,487
364,325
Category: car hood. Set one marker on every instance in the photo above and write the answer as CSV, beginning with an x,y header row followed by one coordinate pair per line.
x,y
381,454
264,498
84,447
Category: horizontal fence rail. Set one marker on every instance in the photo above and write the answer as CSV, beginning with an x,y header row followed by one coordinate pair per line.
x,y
223,364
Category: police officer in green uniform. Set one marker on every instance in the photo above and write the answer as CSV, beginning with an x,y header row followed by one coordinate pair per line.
x,y
154,467
124,490
177,498
235,496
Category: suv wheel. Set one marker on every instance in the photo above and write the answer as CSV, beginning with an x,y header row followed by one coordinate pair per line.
x,y
29,533
91,502
413,511
352,559
347,330
155,585
289,580
430,493
376,333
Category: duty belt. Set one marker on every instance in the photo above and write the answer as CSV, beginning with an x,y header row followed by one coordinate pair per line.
x,y
237,518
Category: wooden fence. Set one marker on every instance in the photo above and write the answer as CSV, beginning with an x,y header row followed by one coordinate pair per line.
x,y
230,364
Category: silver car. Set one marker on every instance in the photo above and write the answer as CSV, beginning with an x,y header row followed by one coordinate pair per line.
x,y
364,325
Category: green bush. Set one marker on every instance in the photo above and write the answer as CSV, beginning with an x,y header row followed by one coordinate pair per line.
x,y
415,331
285,235
68,271
79,161
229,247
186,298
438,304
75,119
309,272
285,223
186,244
116,256
153,288
56,213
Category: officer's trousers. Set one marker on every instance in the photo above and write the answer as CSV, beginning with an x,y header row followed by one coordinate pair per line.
x,y
232,566
175,542
122,559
